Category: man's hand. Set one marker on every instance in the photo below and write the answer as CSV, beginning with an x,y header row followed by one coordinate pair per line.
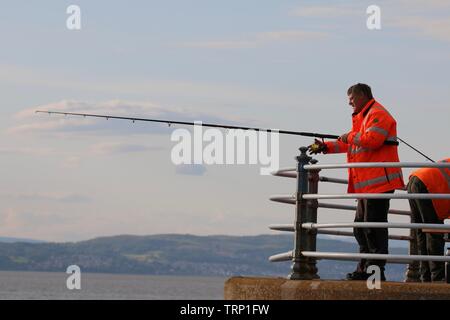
x,y
343,138
317,147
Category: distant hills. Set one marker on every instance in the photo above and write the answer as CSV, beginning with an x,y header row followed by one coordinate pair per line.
x,y
175,254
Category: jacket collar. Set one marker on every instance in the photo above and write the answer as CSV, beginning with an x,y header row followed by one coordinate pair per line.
x,y
366,108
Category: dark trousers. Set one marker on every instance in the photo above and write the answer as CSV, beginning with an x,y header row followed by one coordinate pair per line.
x,y
427,243
372,240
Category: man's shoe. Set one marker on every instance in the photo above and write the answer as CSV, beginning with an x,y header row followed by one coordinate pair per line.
x,y
357,275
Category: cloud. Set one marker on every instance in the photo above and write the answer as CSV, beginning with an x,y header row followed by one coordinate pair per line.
x,y
421,5
219,44
52,197
227,93
258,40
71,162
293,35
74,198
325,12
68,161
32,224
112,148
429,19
29,151
57,123
30,122
436,28
426,20
190,169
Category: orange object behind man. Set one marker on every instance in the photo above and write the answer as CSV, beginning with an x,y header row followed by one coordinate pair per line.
x,y
430,180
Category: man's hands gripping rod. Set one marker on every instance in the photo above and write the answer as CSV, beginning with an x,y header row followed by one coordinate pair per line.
x,y
319,146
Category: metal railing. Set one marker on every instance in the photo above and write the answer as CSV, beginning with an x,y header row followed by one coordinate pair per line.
x,y
306,228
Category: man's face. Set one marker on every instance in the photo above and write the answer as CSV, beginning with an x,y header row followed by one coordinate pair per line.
x,y
357,102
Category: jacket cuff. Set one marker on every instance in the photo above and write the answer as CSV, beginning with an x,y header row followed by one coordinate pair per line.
x,y
354,138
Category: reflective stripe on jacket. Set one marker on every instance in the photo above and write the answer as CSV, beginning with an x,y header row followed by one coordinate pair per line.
x,y
437,180
371,127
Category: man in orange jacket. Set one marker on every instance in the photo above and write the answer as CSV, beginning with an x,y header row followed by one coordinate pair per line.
x,y
373,138
430,180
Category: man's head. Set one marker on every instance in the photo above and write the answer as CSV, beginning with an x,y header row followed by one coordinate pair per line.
x,y
358,96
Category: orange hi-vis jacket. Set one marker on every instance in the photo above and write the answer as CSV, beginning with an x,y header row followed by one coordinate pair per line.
x,y
371,128
437,180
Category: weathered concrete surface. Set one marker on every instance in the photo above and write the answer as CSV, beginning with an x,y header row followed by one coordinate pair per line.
x,y
243,288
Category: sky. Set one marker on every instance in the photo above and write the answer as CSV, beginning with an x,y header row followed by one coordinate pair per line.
x,y
274,64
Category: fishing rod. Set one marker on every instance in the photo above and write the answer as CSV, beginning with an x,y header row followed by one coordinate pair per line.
x,y
212,125
170,122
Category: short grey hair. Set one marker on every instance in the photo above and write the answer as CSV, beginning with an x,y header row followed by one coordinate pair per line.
x,y
360,88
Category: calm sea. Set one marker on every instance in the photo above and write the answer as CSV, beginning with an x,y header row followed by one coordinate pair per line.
x,y
52,285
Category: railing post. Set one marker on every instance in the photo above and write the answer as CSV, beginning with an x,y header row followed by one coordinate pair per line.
x,y
447,267
300,265
311,216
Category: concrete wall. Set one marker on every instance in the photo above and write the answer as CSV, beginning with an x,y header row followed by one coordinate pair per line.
x,y
246,288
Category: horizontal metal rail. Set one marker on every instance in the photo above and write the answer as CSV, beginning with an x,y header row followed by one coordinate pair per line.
x,y
378,165
290,174
291,200
286,256
350,234
393,258
283,199
281,171
397,258
290,228
313,226
379,196
287,174
310,229
353,208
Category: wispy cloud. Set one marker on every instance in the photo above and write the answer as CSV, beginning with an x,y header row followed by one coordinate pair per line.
x,y
258,40
425,20
71,162
48,197
325,11
21,223
191,169
431,20
435,28
289,35
219,44
112,148
30,122
421,5
30,151
227,93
